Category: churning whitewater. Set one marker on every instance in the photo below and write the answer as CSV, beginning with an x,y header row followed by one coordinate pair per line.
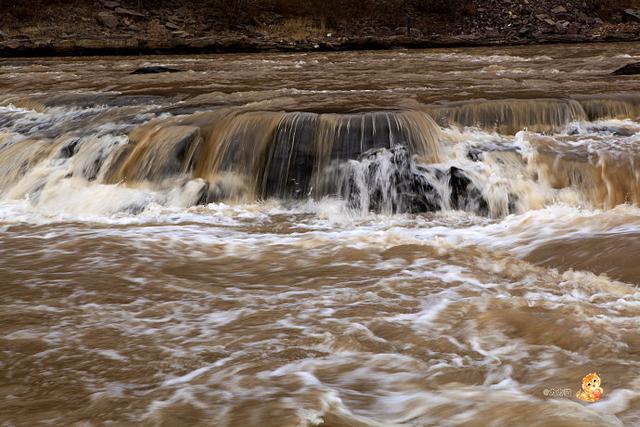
x,y
419,238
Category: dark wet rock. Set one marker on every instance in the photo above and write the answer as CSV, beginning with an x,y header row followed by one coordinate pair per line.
x,y
465,195
558,10
513,203
129,13
475,154
561,27
110,4
135,208
21,38
632,15
393,182
621,130
524,31
155,69
628,70
69,149
180,34
413,32
108,20
573,29
203,198
287,173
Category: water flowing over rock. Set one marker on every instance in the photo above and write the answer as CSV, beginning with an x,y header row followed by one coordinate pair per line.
x,y
540,115
284,155
161,153
390,181
412,159
382,161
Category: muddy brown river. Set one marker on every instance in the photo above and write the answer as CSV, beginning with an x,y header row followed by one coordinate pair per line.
x,y
395,238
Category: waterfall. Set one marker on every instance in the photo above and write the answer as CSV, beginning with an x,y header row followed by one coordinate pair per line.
x,y
389,161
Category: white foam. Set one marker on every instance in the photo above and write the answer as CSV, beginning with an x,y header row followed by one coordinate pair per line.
x,y
194,374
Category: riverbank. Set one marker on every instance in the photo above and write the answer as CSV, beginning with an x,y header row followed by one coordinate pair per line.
x,y
126,28
125,46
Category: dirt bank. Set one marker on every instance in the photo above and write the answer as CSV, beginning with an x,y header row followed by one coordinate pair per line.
x,y
41,27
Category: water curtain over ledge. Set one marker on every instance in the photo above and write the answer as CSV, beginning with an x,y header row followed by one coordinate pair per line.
x,y
390,161
538,115
268,154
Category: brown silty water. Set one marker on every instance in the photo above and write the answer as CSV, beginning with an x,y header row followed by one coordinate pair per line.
x,y
419,238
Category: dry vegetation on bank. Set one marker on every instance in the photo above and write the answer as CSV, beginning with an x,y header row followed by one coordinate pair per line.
x,y
163,23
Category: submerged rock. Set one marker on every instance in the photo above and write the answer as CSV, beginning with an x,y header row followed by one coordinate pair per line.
x,y
628,70
155,69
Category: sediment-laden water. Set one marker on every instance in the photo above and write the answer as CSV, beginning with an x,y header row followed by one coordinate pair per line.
x,y
418,238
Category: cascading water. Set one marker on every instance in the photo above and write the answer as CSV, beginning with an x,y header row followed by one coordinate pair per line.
x,y
389,161
235,155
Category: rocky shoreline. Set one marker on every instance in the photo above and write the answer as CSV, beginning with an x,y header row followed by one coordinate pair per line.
x,y
118,28
134,46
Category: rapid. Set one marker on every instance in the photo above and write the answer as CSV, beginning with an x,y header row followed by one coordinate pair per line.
x,y
394,238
